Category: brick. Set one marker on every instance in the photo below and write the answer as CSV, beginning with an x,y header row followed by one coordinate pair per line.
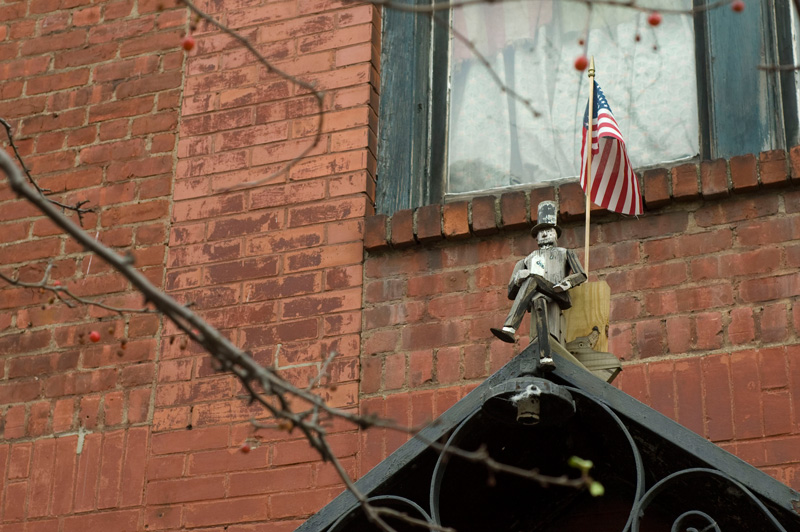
x,y
744,175
717,384
685,182
714,178
375,238
709,330
689,395
662,387
773,323
284,479
334,210
649,338
741,329
455,222
138,405
777,413
429,223
402,228
185,490
794,162
656,187
772,167
41,478
633,381
474,362
432,335
689,299
63,415
514,210
15,501
680,334
133,472
87,473
89,411
780,450
324,257
448,365
394,376
645,227
59,81
571,202
119,520
289,505
64,474
769,231
647,277
746,403
108,488
773,368
39,418
19,392
484,215
769,288
190,440
62,41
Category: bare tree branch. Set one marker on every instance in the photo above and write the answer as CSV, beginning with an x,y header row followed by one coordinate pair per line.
x,y
69,298
77,207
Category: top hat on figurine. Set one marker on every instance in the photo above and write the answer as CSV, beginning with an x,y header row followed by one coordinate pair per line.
x,y
547,218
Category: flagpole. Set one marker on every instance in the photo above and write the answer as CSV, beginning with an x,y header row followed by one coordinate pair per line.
x,y
589,134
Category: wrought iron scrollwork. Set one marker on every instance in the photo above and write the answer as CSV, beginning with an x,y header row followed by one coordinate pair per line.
x,y
692,499
681,524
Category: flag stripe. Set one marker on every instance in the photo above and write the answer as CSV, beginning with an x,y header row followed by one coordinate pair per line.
x,y
614,183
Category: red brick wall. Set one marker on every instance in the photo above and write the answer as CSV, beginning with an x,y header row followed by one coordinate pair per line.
x,y
107,108
93,92
703,306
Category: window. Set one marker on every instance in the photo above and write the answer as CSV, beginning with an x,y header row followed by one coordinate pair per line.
x,y
690,87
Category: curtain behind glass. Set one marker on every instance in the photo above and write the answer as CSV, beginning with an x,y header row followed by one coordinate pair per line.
x,y
495,141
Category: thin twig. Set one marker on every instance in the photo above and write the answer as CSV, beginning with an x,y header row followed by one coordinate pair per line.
x,y
318,95
78,207
71,298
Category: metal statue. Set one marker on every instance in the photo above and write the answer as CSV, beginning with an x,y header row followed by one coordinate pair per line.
x,y
541,280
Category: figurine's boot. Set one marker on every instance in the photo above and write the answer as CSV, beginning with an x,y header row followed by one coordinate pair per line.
x,y
518,309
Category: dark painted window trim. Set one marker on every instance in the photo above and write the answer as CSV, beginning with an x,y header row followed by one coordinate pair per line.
x,y
412,138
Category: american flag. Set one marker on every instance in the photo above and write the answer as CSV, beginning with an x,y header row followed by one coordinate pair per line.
x,y
614,185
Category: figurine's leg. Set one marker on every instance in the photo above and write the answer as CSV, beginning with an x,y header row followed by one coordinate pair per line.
x,y
518,309
540,311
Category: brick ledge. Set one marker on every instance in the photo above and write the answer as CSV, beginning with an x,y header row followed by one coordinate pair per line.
x,y
489,214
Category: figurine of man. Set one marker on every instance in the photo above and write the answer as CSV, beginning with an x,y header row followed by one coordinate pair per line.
x,y
547,274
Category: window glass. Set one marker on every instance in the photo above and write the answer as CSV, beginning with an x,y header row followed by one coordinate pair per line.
x,y
650,82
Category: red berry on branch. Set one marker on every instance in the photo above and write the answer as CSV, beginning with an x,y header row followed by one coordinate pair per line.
x,y
94,336
581,63
738,6
245,448
56,283
188,43
654,19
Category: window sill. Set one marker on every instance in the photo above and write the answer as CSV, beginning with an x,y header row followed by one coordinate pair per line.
x,y
488,214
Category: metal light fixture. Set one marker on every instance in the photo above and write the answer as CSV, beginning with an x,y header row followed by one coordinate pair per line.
x,y
529,401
